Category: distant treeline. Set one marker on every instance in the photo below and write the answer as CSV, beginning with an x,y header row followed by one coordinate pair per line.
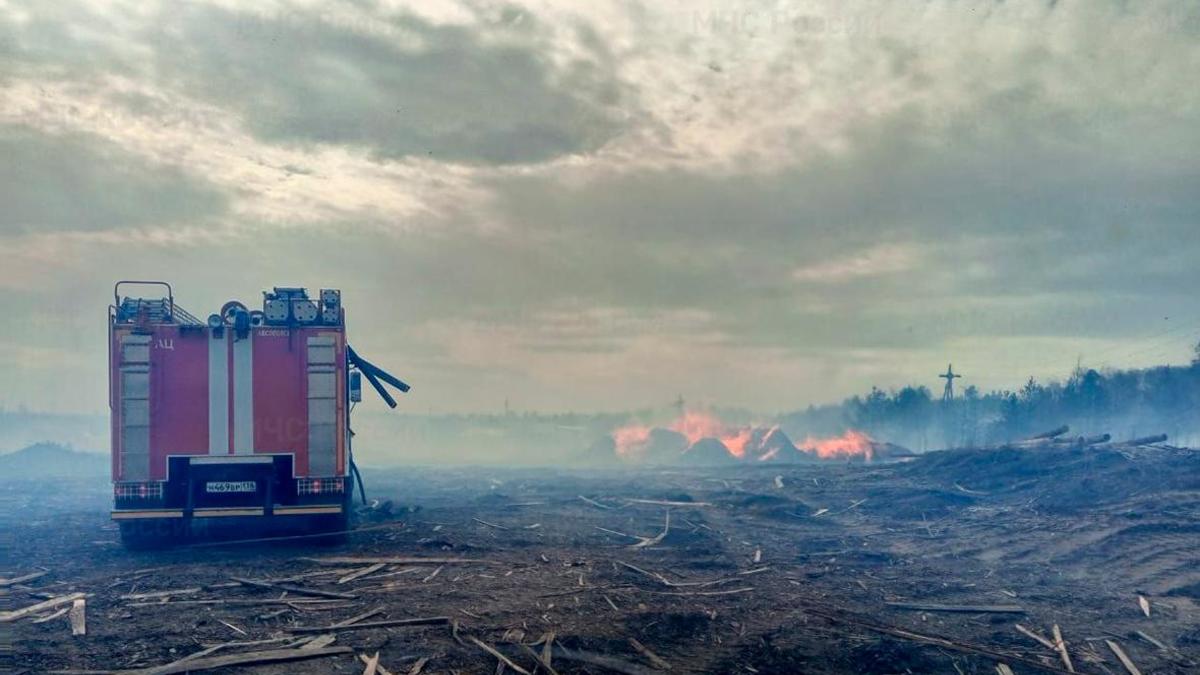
x,y
1125,403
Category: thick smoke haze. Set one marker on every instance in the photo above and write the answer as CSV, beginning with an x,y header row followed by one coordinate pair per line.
x,y
604,206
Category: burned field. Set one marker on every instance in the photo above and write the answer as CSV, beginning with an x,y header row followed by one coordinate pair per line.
x,y
958,561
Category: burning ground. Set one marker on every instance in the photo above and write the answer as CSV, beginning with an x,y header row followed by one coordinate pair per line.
x,y
701,438
955,561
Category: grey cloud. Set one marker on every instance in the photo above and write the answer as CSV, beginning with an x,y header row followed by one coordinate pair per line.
x,y
477,94
450,92
80,182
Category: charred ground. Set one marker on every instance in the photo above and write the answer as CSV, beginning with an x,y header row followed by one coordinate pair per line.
x,y
817,568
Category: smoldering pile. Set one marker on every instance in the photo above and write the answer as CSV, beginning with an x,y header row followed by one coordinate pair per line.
x,y
700,439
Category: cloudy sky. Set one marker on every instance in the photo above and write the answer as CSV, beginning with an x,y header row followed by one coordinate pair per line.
x,y
604,205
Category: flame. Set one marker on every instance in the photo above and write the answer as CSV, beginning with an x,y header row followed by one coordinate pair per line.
x,y
850,444
695,425
632,440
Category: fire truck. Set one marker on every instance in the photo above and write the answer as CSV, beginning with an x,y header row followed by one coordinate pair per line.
x,y
240,419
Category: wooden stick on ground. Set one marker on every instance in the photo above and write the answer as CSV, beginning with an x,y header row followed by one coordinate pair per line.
x,y
501,657
651,541
595,503
360,617
379,670
1123,657
423,621
540,664
667,502
79,617
1145,636
5,583
657,660
982,609
1061,646
294,589
601,660
372,664
322,640
1047,643
51,617
484,522
160,594
361,573
419,665
188,665
344,560
15,614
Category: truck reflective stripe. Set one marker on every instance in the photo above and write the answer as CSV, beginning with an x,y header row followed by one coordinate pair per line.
x,y
243,395
218,397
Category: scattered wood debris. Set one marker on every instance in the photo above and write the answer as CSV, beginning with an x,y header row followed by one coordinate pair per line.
x,y
15,614
78,617
1123,657
363,625
500,657
1061,645
358,574
190,665
657,660
4,583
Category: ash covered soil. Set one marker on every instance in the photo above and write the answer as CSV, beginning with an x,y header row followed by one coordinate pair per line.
x,y
915,567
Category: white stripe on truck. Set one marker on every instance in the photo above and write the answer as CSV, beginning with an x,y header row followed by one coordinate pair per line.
x,y
218,395
243,395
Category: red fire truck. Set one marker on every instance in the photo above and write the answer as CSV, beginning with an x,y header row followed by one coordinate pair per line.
x,y
245,416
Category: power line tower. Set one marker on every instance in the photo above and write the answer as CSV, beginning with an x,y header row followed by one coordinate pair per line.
x,y
678,405
949,375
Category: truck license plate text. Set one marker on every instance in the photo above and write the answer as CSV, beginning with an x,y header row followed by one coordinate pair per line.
x,y
230,486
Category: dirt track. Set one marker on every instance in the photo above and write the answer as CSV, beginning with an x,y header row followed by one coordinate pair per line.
x,y
770,569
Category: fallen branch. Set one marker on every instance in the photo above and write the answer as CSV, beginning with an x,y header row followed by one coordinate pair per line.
x,y
360,617
1046,643
651,541
541,664
187,665
6,617
970,609
657,660
51,617
1061,645
665,502
5,583
501,657
160,594
684,594
609,662
344,560
423,621
595,503
294,589
372,664
934,640
675,584
361,573
1123,657
78,617
484,522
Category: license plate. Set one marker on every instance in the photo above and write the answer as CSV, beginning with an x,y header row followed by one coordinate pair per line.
x,y
223,486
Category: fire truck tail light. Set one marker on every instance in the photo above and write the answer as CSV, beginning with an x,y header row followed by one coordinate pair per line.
x,y
137,489
318,486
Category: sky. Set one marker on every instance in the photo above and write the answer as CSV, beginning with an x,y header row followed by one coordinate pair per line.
x,y
603,205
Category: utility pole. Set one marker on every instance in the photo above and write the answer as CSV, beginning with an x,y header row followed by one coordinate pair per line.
x,y
679,405
949,375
